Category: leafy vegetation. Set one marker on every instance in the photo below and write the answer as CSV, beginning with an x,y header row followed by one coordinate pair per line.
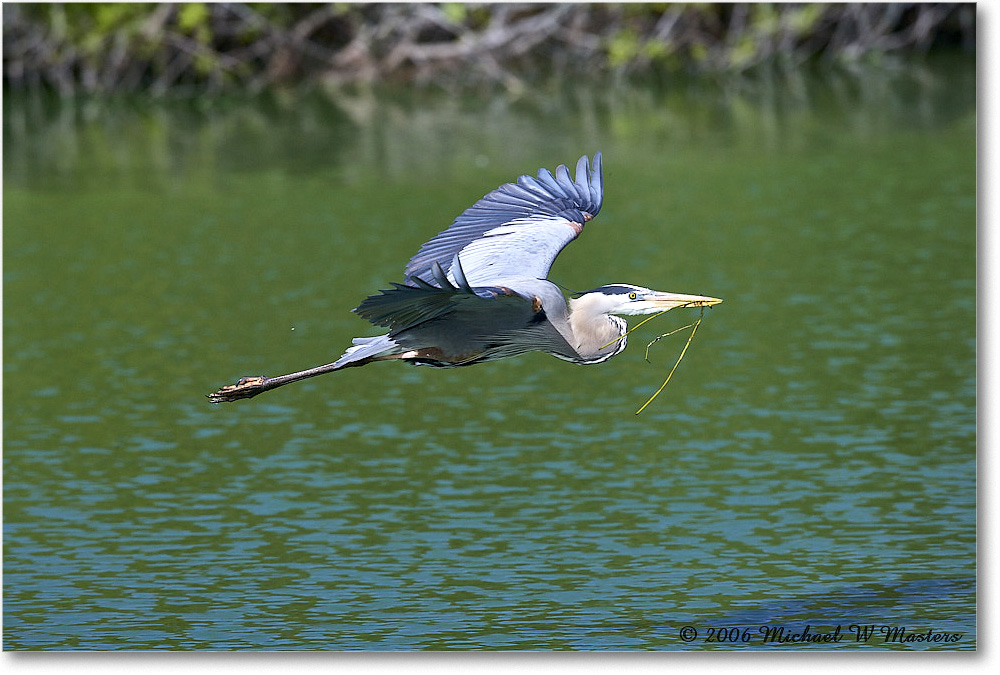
x,y
102,47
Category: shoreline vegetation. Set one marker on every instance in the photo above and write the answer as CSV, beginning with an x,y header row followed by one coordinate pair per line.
x,y
195,48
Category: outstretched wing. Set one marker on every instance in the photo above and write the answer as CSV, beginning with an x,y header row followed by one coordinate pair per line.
x,y
518,229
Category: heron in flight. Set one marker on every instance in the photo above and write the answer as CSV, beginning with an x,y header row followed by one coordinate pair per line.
x,y
478,290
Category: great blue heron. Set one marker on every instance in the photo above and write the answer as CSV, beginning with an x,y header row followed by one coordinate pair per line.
x,y
478,291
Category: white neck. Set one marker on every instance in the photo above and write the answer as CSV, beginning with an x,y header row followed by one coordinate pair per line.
x,y
593,329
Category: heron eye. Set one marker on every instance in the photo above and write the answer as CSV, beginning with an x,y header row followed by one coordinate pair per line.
x,y
632,296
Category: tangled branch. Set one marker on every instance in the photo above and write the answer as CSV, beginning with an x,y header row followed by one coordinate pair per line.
x,y
201,46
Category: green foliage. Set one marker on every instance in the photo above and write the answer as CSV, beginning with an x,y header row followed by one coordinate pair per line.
x,y
109,17
742,53
805,19
623,48
699,53
455,12
764,20
193,19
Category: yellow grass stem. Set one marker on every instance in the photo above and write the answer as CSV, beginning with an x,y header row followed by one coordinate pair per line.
x,y
683,351
648,318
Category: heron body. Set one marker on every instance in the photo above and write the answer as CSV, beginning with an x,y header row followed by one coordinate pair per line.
x,y
478,291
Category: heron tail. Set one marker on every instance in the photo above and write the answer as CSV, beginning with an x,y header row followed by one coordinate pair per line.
x,y
366,349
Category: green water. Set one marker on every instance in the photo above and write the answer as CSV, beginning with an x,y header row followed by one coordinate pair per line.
x,y
812,463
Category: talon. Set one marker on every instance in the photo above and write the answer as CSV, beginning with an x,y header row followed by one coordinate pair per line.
x,y
245,387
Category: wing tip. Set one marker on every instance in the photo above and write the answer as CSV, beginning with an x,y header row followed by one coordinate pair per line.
x,y
590,178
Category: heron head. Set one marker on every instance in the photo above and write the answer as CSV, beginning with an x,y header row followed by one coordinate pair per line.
x,y
628,299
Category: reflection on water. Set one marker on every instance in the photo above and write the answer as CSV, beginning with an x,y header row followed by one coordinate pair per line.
x,y
811,463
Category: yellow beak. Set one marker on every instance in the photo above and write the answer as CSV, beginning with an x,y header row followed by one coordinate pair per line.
x,y
672,300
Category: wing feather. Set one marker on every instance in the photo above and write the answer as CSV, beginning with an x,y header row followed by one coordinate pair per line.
x,y
406,306
465,324
563,177
546,178
516,230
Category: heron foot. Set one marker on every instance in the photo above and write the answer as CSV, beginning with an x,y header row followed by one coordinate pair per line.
x,y
245,387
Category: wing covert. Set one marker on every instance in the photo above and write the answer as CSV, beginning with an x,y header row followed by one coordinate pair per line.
x,y
406,306
516,230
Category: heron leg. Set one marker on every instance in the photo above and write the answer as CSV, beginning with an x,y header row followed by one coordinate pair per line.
x,y
248,387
